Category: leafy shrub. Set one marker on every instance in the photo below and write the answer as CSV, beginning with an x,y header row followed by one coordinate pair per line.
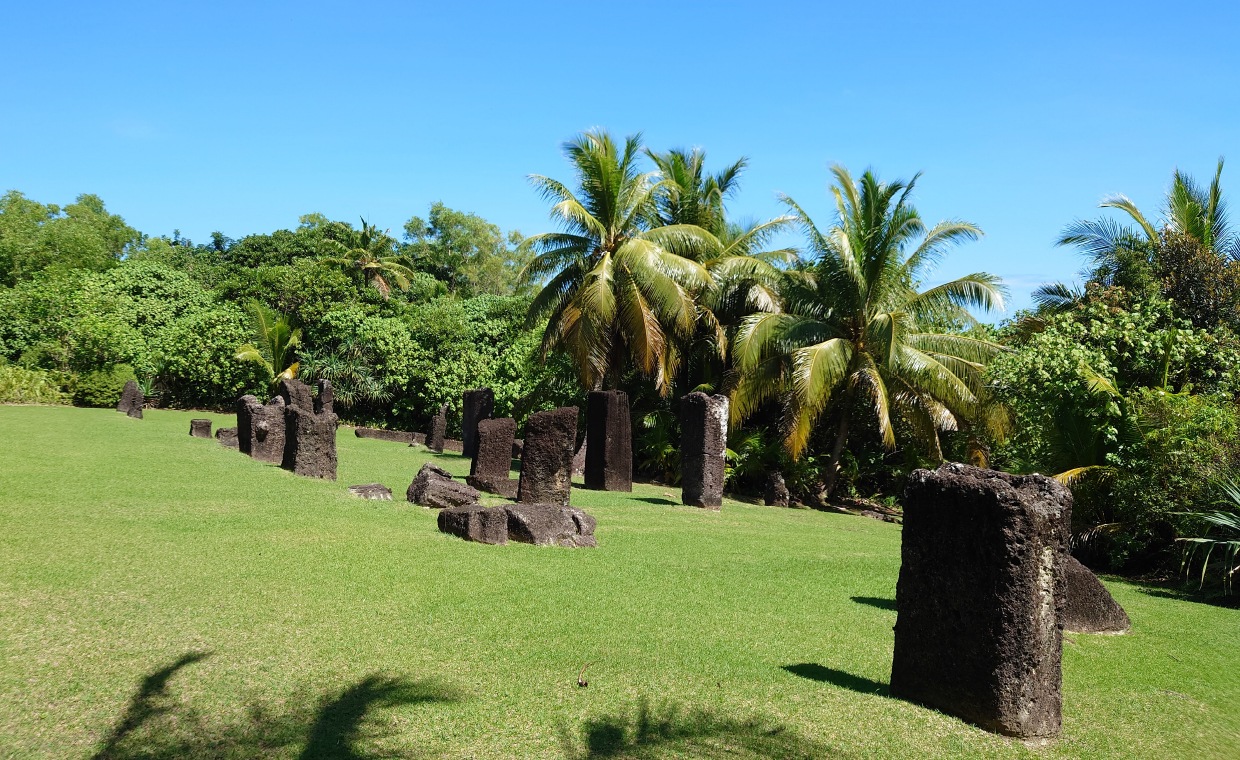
x,y
103,387
25,386
199,364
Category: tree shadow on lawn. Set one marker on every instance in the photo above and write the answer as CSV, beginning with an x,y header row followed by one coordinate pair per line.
x,y
875,601
860,684
649,733
158,726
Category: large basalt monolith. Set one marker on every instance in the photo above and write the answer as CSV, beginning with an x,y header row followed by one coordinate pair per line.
x,y
609,456
980,597
493,457
703,440
439,428
547,458
200,428
1088,606
476,405
260,428
309,436
131,400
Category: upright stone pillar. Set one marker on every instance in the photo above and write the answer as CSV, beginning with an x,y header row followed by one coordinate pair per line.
x,y
439,428
493,457
260,428
703,440
478,405
309,437
131,400
980,597
547,459
609,456
200,428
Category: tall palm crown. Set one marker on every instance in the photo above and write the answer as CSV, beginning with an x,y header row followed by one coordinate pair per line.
x,y
691,195
855,326
370,250
619,285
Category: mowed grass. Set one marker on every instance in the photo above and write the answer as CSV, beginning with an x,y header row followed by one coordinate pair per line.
x,y
162,596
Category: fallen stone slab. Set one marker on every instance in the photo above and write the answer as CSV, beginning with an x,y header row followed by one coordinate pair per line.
x,y
476,405
980,598
1088,606
547,460
227,437
397,436
260,428
550,525
131,400
474,522
200,428
609,459
434,487
375,491
776,491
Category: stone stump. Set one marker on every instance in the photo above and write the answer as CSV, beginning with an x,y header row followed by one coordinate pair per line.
x,y
703,440
434,487
200,428
777,491
980,597
493,457
477,405
131,400
1088,606
547,459
550,525
260,428
309,436
227,437
609,458
439,428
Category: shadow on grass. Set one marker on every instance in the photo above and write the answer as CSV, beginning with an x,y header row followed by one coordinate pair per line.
x,y
655,500
815,672
1190,593
157,726
875,601
649,733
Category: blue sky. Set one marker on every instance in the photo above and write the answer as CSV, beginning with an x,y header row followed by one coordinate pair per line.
x,y
238,118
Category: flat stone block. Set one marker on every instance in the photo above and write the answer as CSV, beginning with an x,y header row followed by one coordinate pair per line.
x,y
474,522
434,487
550,525
374,491
200,428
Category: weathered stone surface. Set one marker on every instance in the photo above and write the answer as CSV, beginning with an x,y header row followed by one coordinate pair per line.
x,y
309,443
131,400
227,437
477,405
517,445
547,461
260,428
579,459
1088,606
776,491
550,525
374,491
609,459
980,597
200,428
454,446
324,399
434,487
493,457
475,522
439,427
703,424
296,394
398,436
701,480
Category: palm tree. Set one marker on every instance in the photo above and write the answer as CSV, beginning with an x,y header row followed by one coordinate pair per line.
x,y
691,195
854,325
370,251
618,284
277,338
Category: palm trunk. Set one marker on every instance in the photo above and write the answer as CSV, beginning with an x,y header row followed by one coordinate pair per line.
x,y
841,437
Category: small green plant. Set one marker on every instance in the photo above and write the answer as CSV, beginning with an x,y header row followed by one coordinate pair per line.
x,y
1226,540
277,339
27,386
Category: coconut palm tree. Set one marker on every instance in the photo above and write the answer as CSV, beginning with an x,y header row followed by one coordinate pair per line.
x,y
619,285
690,195
854,326
276,339
370,251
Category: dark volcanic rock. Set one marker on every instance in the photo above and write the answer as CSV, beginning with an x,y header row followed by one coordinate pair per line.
x,y
375,491
227,437
1088,606
776,491
296,394
260,428
493,457
703,439
609,459
324,400
550,525
980,597
131,400
579,459
200,428
475,522
398,436
439,428
477,405
309,443
434,487
517,445
547,461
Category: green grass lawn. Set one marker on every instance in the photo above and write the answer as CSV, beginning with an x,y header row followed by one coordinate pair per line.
x,y
162,596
